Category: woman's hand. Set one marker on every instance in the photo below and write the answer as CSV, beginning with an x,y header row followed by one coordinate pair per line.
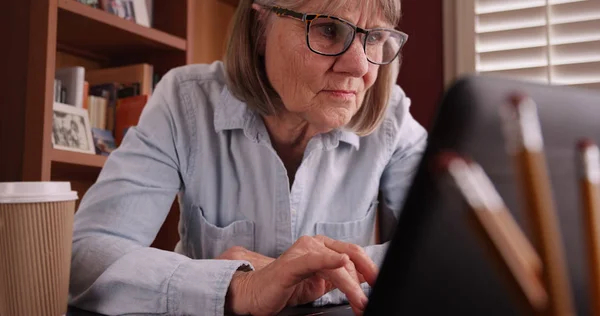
x,y
257,260
312,267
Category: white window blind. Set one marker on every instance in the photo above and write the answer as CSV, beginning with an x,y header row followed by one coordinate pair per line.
x,y
548,41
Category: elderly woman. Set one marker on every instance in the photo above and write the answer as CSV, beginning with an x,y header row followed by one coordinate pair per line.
x,y
277,156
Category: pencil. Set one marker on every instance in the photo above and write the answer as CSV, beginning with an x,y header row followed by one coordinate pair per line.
x,y
499,231
524,139
523,249
589,183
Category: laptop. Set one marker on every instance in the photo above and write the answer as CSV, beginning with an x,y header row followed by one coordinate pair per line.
x,y
436,264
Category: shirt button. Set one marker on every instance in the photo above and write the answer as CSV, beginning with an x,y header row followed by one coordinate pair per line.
x,y
293,212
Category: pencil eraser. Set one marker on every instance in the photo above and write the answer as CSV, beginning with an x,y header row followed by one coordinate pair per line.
x,y
444,159
585,143
517,98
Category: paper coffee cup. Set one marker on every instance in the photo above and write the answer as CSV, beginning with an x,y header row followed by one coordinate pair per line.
x,y
36,230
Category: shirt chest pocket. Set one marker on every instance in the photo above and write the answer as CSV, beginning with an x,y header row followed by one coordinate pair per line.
x,y
208,240
360,232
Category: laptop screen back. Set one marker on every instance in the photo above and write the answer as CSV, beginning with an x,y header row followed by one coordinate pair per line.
x,y
436,264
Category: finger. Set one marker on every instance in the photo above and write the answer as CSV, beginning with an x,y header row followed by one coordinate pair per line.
x,y
361,278
349,266
357,254
356,311
343,279
310,263
339,274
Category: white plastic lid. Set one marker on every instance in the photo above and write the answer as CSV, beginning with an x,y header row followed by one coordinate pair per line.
x,y
35,192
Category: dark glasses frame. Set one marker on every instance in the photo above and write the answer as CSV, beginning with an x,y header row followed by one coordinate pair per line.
x,y
308,18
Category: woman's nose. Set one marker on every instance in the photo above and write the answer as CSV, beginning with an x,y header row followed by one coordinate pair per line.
x,y
353,61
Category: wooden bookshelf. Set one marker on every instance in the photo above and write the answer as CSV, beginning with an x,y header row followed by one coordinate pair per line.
x,y
42,35
78,168
88,29
77,159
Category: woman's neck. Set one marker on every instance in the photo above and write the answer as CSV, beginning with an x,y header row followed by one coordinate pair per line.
x,y
289,131
289,135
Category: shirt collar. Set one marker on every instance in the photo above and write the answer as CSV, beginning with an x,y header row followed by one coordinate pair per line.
x,y
231,113
347,137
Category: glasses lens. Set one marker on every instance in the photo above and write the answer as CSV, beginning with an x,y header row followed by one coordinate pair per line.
x,y
382,46
329,36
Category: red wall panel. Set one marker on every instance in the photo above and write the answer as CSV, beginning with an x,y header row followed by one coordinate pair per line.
x,y
421,74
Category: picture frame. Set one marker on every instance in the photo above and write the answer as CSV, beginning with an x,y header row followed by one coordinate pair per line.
x,y
71,129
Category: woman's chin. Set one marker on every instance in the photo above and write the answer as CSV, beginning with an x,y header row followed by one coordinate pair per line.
x,y
325,120
327,125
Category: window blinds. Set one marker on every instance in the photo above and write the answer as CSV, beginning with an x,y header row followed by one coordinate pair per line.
x,y
547,41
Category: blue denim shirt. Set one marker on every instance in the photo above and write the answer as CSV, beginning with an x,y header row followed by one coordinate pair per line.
x,y
197,142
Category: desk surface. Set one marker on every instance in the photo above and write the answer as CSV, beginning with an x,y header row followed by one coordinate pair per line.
x,y
296,311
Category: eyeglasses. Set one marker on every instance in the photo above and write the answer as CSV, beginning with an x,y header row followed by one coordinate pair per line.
x,y
332,36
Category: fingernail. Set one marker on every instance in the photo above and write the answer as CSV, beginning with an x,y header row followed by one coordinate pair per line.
x,y
365,301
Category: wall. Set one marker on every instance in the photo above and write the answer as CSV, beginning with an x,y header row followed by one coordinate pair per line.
x,y
14,30
211,22
422,71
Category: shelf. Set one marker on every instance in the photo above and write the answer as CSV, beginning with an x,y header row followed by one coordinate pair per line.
x,y
77,159
86,29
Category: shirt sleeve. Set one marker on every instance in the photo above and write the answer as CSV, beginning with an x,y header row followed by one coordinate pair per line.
x,y
113,269
408,140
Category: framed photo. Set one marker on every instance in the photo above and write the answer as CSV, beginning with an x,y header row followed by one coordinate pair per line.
x,y
71,129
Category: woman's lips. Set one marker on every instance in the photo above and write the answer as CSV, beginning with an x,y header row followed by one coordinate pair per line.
x,y
346,94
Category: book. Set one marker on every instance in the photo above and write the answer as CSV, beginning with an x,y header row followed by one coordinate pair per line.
x,y
72,80
91,3
141,12
129,111
57,89
129,13
63,96
120,8
86,91
149,4
140,73
128,90
104,142
109,92
97,111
